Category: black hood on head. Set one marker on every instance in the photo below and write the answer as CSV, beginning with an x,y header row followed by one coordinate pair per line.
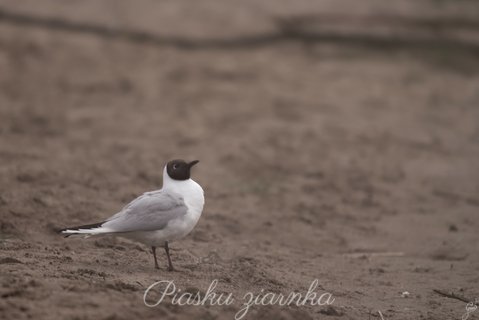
x,y
179,169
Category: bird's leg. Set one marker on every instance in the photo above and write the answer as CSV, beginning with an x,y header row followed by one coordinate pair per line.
x,y
170,265
154,256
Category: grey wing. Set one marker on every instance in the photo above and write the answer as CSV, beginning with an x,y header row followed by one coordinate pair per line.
x,y
151,211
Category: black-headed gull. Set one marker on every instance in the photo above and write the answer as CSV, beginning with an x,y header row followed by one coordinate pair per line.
x,y
156,217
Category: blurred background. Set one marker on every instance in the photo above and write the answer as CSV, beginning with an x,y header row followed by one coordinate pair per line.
x,y
338,140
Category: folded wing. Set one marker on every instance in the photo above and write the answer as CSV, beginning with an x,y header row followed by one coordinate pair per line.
x,y
151,211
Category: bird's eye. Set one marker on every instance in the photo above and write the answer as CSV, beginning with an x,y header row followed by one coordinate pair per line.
x,y
175,166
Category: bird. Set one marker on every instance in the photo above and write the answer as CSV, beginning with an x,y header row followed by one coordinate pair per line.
x,y
156,218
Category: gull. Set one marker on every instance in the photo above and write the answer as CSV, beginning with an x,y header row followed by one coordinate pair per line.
x,y
156,218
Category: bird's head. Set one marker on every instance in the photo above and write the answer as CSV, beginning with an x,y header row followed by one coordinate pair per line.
x,y
179,169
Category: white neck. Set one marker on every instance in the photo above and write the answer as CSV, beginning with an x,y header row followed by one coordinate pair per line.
x,y
190,190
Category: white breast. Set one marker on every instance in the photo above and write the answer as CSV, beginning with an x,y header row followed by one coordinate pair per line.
x,y
193,196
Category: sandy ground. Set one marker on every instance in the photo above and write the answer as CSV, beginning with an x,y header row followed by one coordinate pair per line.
x,y
337,142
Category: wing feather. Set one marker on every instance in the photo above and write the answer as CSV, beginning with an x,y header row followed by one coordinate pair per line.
x,y
151,211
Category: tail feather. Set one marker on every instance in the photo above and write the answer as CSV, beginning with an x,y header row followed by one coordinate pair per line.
x,y
87,229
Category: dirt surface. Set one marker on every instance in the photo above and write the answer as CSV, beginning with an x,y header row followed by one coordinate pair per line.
x,y
337,142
